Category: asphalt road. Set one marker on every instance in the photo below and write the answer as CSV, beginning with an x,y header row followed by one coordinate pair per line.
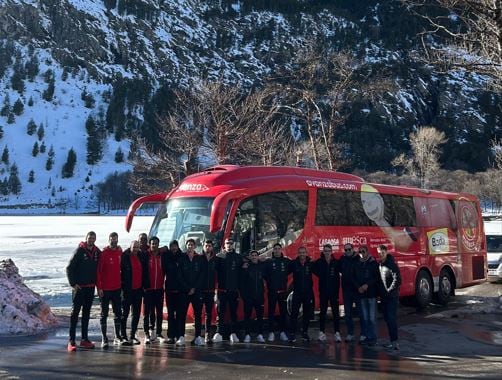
x,y
462,340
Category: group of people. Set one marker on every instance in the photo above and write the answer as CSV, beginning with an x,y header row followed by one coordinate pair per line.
x,y
146,274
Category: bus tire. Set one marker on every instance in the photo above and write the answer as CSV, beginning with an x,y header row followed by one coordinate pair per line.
x,y
423,289
443,296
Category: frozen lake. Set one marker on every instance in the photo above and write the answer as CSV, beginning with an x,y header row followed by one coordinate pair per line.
x,y
41,246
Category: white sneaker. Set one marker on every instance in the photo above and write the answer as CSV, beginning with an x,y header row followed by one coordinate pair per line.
x,y
284,337
362,338
271,337
322,337
199,341
104,342
260,339
349,338
217,338
233,338
153,336
180,341
338,337
117,342
147,339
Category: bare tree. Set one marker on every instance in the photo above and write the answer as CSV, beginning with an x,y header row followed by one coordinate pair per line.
x,y
474,27
211,124
320,91
423,163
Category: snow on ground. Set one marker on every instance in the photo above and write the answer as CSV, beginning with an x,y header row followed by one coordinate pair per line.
x,y
22,311
41,246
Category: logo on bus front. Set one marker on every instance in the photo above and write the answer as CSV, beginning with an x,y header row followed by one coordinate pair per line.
x,y
193,187
438,241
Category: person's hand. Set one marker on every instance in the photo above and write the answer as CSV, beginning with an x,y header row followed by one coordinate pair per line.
x,y
76,287
100,293
191,291
245,265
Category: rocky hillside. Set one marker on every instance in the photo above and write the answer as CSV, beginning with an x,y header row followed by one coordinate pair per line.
x,y
102,70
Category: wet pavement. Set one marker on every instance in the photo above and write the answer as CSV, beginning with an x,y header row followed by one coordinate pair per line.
x,y
463,340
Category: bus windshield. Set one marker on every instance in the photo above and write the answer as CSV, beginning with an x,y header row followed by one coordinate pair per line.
x,y
182,219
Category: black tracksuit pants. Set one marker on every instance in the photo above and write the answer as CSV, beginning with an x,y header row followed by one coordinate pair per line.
x,y
307,301
174,308
208,301
257,305
114,297
153,310
228,298
131,299
333,301
196,301
82,300
275,298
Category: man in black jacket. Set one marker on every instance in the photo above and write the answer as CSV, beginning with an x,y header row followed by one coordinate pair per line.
x,y
228,267
209,285
132,290
252,291
303,293
276,276
366,280
190,277
390,281
81,272
170,260
350,295
326,268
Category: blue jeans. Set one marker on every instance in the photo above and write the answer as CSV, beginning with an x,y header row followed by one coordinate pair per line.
x,y
368,308
389,308
350,298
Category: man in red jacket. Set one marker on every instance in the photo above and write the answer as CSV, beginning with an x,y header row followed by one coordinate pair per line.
x,y
109,287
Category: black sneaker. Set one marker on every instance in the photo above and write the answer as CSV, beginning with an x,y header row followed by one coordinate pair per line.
x,y
306,337
292,338
170,341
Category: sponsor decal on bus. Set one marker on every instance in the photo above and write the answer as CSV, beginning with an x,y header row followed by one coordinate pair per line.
x,y
193,187
438,241
331,185
334,242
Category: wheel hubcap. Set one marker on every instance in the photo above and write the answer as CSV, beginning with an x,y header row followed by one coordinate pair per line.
x,y
446,286
424,287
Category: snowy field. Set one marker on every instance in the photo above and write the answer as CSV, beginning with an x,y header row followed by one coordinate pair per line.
x,y
42,245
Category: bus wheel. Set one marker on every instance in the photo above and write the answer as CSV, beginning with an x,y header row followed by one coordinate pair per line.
x,y
423,289
443,295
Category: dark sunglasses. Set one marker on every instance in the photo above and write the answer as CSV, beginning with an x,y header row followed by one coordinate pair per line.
x,y
362,251
348,249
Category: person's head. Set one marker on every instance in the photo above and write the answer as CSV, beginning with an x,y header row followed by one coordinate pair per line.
x,y
364,252
113,239
154,243
90,238
348,249
174,246
229,244
327,250
134,247
382,252
253,256
277,250
302,253
190,244
208,246
372,202
143,240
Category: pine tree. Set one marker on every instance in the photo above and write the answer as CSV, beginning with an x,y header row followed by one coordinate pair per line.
x,y
50,159
48,94
30,102
64,75
31,176
42,147
32,68
11,119
18,108
5,155
1,132
69,166
5,111
4,188
41,132
49,184
94,147
14,182
119,156
35,150
31,127
17,79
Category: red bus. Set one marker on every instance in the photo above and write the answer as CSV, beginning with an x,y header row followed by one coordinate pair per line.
x,y
437,238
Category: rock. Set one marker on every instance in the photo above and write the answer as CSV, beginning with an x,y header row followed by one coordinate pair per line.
x,y
22,311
